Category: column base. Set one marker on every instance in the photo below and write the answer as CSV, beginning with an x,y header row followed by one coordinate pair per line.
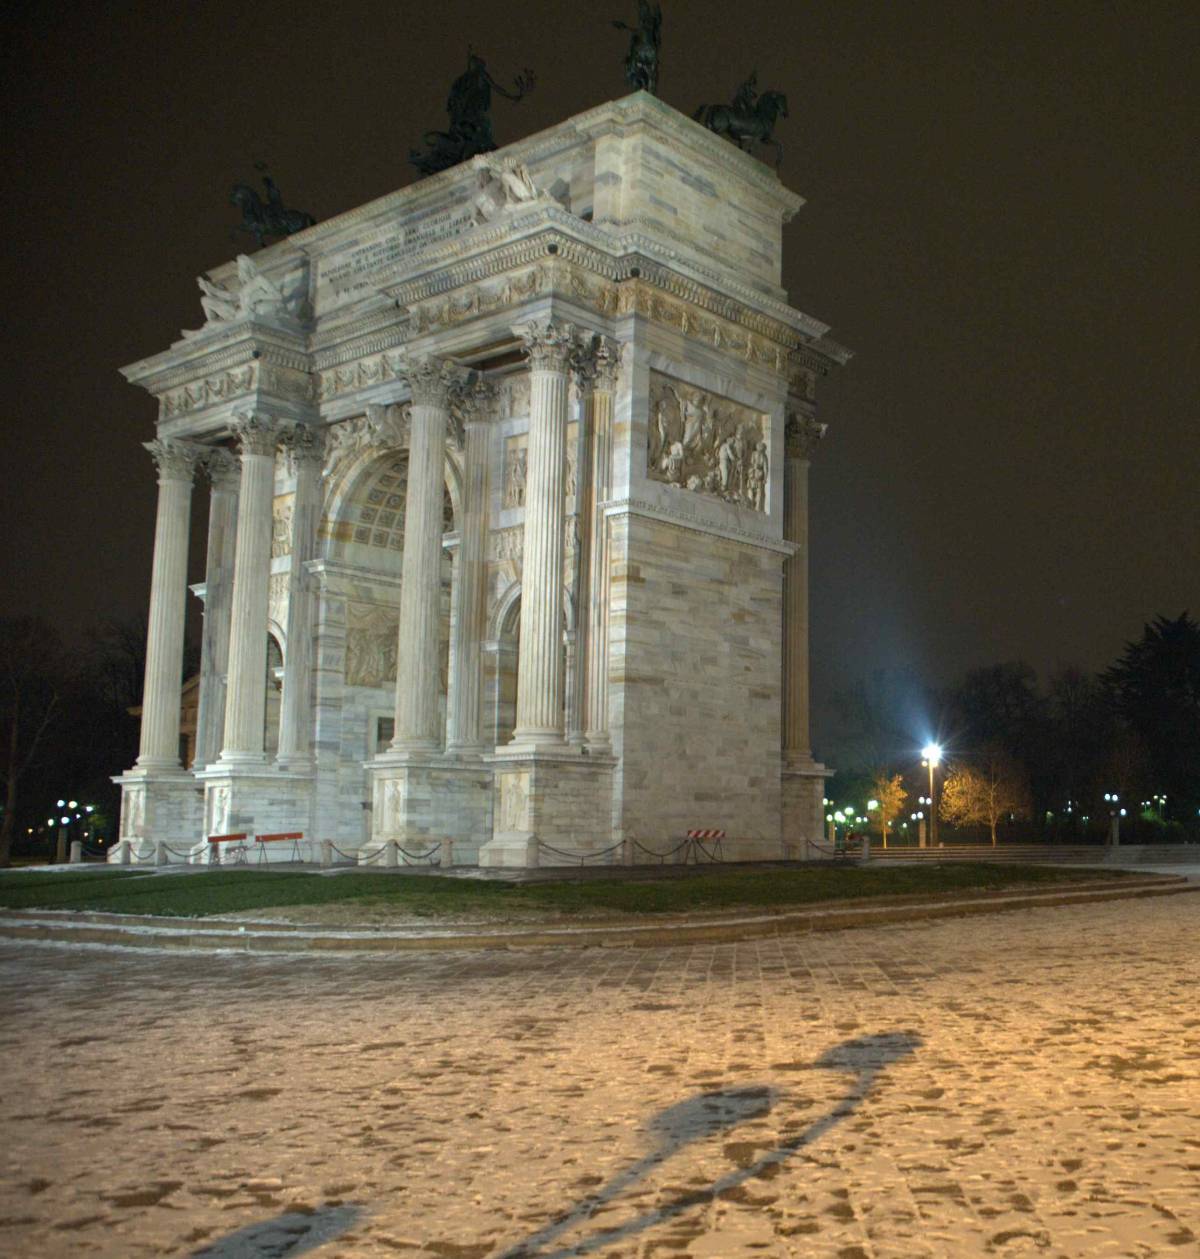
x,y
419,801
158,805
802,814
260,800
551,807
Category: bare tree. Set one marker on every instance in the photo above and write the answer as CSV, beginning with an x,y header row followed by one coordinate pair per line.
x,y
31,689
889,792
985,794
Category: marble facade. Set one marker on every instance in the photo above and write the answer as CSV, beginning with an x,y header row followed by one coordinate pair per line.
x,y
508,523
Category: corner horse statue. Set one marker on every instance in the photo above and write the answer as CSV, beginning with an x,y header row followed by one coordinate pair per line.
x,y
270,218
641,62
470,108
747,120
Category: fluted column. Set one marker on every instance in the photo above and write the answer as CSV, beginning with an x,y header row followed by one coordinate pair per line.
x,y
463,734
801,437
607,362
549,346
433,382
246,698
307,449
159,746
224,473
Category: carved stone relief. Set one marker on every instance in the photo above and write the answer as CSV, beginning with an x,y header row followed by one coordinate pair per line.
x,y
217,808
445,312
281,525
515,469
381,427
513,813
371,642
133,813
707,444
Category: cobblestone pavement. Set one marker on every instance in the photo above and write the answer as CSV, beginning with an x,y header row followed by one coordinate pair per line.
x,y
1023,1084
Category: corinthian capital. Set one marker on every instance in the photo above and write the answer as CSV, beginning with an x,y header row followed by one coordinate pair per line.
x,y
434,381
257,434
606,362
802,435
549,345
222,468
305,445
477,403
175,459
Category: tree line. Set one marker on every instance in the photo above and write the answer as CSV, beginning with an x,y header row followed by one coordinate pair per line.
x,y
1028,759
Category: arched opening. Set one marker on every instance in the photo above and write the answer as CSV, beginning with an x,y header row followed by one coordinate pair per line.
x,y
274,696
504,684
362,537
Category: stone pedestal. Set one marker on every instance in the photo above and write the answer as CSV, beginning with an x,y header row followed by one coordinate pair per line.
x,y
420,801
550,810
260,803
802,788
158,805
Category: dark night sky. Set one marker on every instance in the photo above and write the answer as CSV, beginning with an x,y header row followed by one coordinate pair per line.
x,y
1001,223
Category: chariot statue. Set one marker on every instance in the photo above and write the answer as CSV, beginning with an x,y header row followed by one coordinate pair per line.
x,y
641,62
749,119
260,218
470,107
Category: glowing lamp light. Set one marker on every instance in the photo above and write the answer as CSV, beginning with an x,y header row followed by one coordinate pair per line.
x,y
72,804
872,804
62,804
66,821
932,752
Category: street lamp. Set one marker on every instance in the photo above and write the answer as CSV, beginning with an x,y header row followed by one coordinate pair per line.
x,y
932,756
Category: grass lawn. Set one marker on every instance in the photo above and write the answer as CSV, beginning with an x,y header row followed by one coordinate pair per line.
x,y
379,897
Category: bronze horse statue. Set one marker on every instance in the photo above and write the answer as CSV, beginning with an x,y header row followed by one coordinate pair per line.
x,y
267,218
746,127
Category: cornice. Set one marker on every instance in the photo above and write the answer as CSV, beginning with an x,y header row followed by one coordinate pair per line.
x,y
193,360
696,524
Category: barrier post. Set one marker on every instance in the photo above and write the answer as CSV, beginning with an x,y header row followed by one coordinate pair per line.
x,y
866,847
326,854
160,853
126,847
76,851
391,852
446,856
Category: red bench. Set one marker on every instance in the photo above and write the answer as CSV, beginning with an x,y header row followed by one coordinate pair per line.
x,y
238,838
294,836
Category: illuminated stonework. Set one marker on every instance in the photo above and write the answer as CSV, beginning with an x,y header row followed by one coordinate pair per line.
x,y
507,554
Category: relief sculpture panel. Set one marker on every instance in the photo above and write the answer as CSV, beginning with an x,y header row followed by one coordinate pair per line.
x,y
707,444
372,634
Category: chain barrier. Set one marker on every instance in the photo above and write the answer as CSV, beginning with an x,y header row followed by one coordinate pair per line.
x,y
582,857
662,856
92,852
186,854
717,854
349,856
420,857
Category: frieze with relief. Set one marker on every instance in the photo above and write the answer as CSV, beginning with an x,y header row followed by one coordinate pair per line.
x,y
707,444
360,375
722,334
480,299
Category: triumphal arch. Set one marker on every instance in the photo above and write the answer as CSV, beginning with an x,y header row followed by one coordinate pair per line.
x,y
507,544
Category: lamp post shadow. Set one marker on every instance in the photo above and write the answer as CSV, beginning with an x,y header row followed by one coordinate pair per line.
x,y
706,1115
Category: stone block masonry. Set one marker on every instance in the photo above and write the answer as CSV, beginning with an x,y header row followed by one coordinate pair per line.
x,y
695,675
